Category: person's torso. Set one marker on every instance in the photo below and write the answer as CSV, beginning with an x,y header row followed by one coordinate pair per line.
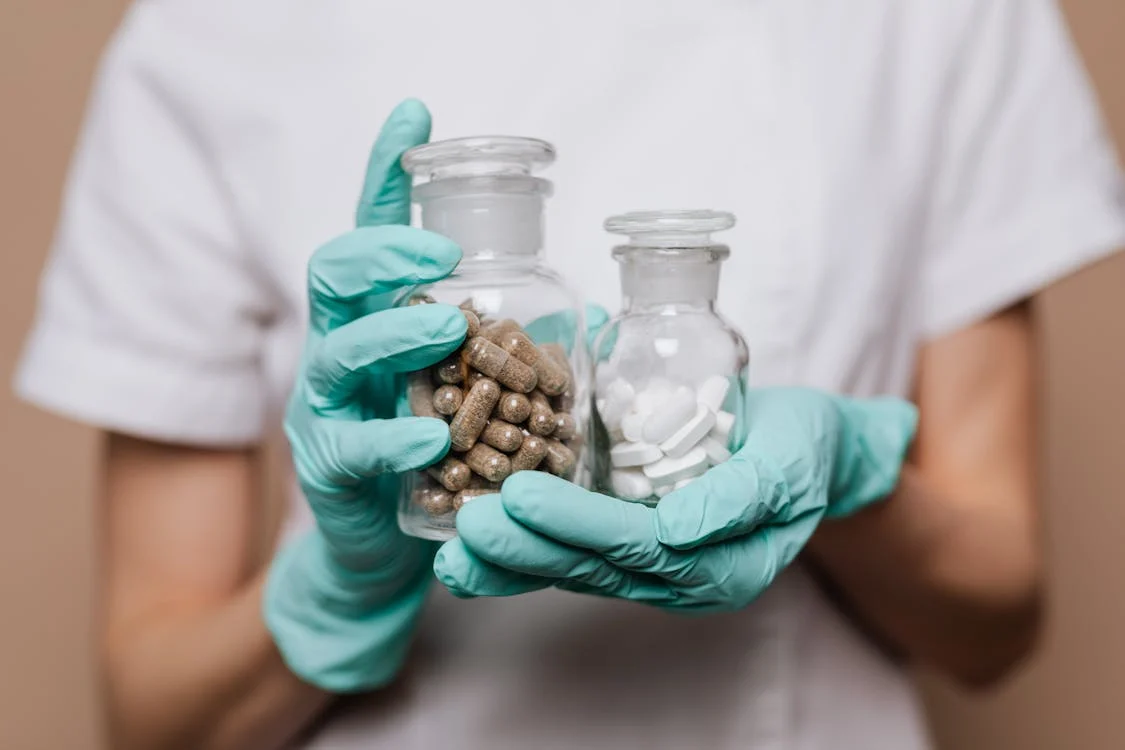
x,y
805,118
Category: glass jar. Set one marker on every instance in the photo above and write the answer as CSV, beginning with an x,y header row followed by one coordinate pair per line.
x,y
670,371
516,393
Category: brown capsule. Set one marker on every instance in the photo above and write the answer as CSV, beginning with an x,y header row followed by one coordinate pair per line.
x,y
530,454
542,419
447,399
467,304
494,330
493,361
565,426
472,321
557,352
450,370
501,435
471,418
420,299
488,462
480,483
560,460
513,407
471,378
553,377
434,501
465,496
453,473
564,401
420,394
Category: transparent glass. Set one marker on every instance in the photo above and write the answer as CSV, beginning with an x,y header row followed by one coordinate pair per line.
x,y
526,345
670,371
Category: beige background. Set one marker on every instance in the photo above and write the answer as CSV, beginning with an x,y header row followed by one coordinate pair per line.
x,y
1072,697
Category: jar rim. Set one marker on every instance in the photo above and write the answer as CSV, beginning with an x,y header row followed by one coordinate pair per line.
x,y
478,156
639,224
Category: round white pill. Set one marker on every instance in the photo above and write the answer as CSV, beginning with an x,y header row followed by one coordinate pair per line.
x,y
676,411
632,426
650,398
624,455
615,403
630,484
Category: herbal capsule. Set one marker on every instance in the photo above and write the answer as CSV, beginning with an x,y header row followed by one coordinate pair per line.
x,y
542,419
557,352
480,483
450,370
488,462
420,394
513,407
471,378
564,401
501,435
471,418
453,473
560,460
493,361
530,454
434,501
496,329
420,299
447,399
565,426
551,378
472,321
465,496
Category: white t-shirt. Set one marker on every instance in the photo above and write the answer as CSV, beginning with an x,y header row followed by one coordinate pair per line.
x,y
900,169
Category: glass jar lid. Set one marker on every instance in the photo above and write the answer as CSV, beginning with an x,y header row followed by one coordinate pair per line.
x,y
478,156
673,229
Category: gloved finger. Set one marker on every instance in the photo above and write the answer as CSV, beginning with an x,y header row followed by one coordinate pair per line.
x,y
622,532
877,434
385,198
730,500
334,456
402,339
467,575
487,531
367,263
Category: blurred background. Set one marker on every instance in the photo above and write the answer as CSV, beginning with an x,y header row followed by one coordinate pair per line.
x,y
1072,696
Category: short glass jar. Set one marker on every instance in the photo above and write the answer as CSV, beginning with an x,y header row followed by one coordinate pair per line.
x,y
516,393
670,371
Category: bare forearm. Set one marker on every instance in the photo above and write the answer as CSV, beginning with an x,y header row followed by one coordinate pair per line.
x,y
204,679
948,580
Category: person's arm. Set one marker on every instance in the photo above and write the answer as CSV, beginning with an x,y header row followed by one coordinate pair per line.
x,y
188,661
948,569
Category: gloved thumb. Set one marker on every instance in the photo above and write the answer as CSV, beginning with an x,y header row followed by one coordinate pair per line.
x,y
385,198
875,435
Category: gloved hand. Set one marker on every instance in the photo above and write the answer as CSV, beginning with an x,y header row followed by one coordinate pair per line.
x,y
713,545
342,600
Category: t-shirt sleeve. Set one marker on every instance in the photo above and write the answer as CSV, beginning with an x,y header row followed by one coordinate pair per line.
x,y
1029,188
152,314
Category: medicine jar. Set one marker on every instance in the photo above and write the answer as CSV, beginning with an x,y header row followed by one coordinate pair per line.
x,y
670,371
516,394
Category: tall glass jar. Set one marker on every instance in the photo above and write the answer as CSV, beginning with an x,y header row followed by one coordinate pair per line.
x,y
670,371
516,393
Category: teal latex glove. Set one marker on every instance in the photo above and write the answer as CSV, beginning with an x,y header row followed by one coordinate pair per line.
x,y
341,601
713,545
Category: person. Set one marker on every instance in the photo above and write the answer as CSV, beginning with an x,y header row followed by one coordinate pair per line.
x,y
908,176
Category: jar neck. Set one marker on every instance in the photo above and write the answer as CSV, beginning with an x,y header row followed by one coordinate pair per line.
x,y
669,278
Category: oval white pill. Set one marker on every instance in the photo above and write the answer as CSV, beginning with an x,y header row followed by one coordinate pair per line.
x,y
688,436
624,455
630,484
724,422
676,411
717,453
616,403
671,470
713,392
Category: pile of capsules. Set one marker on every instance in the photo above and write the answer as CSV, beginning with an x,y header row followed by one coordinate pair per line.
x,y
663,435
508,404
